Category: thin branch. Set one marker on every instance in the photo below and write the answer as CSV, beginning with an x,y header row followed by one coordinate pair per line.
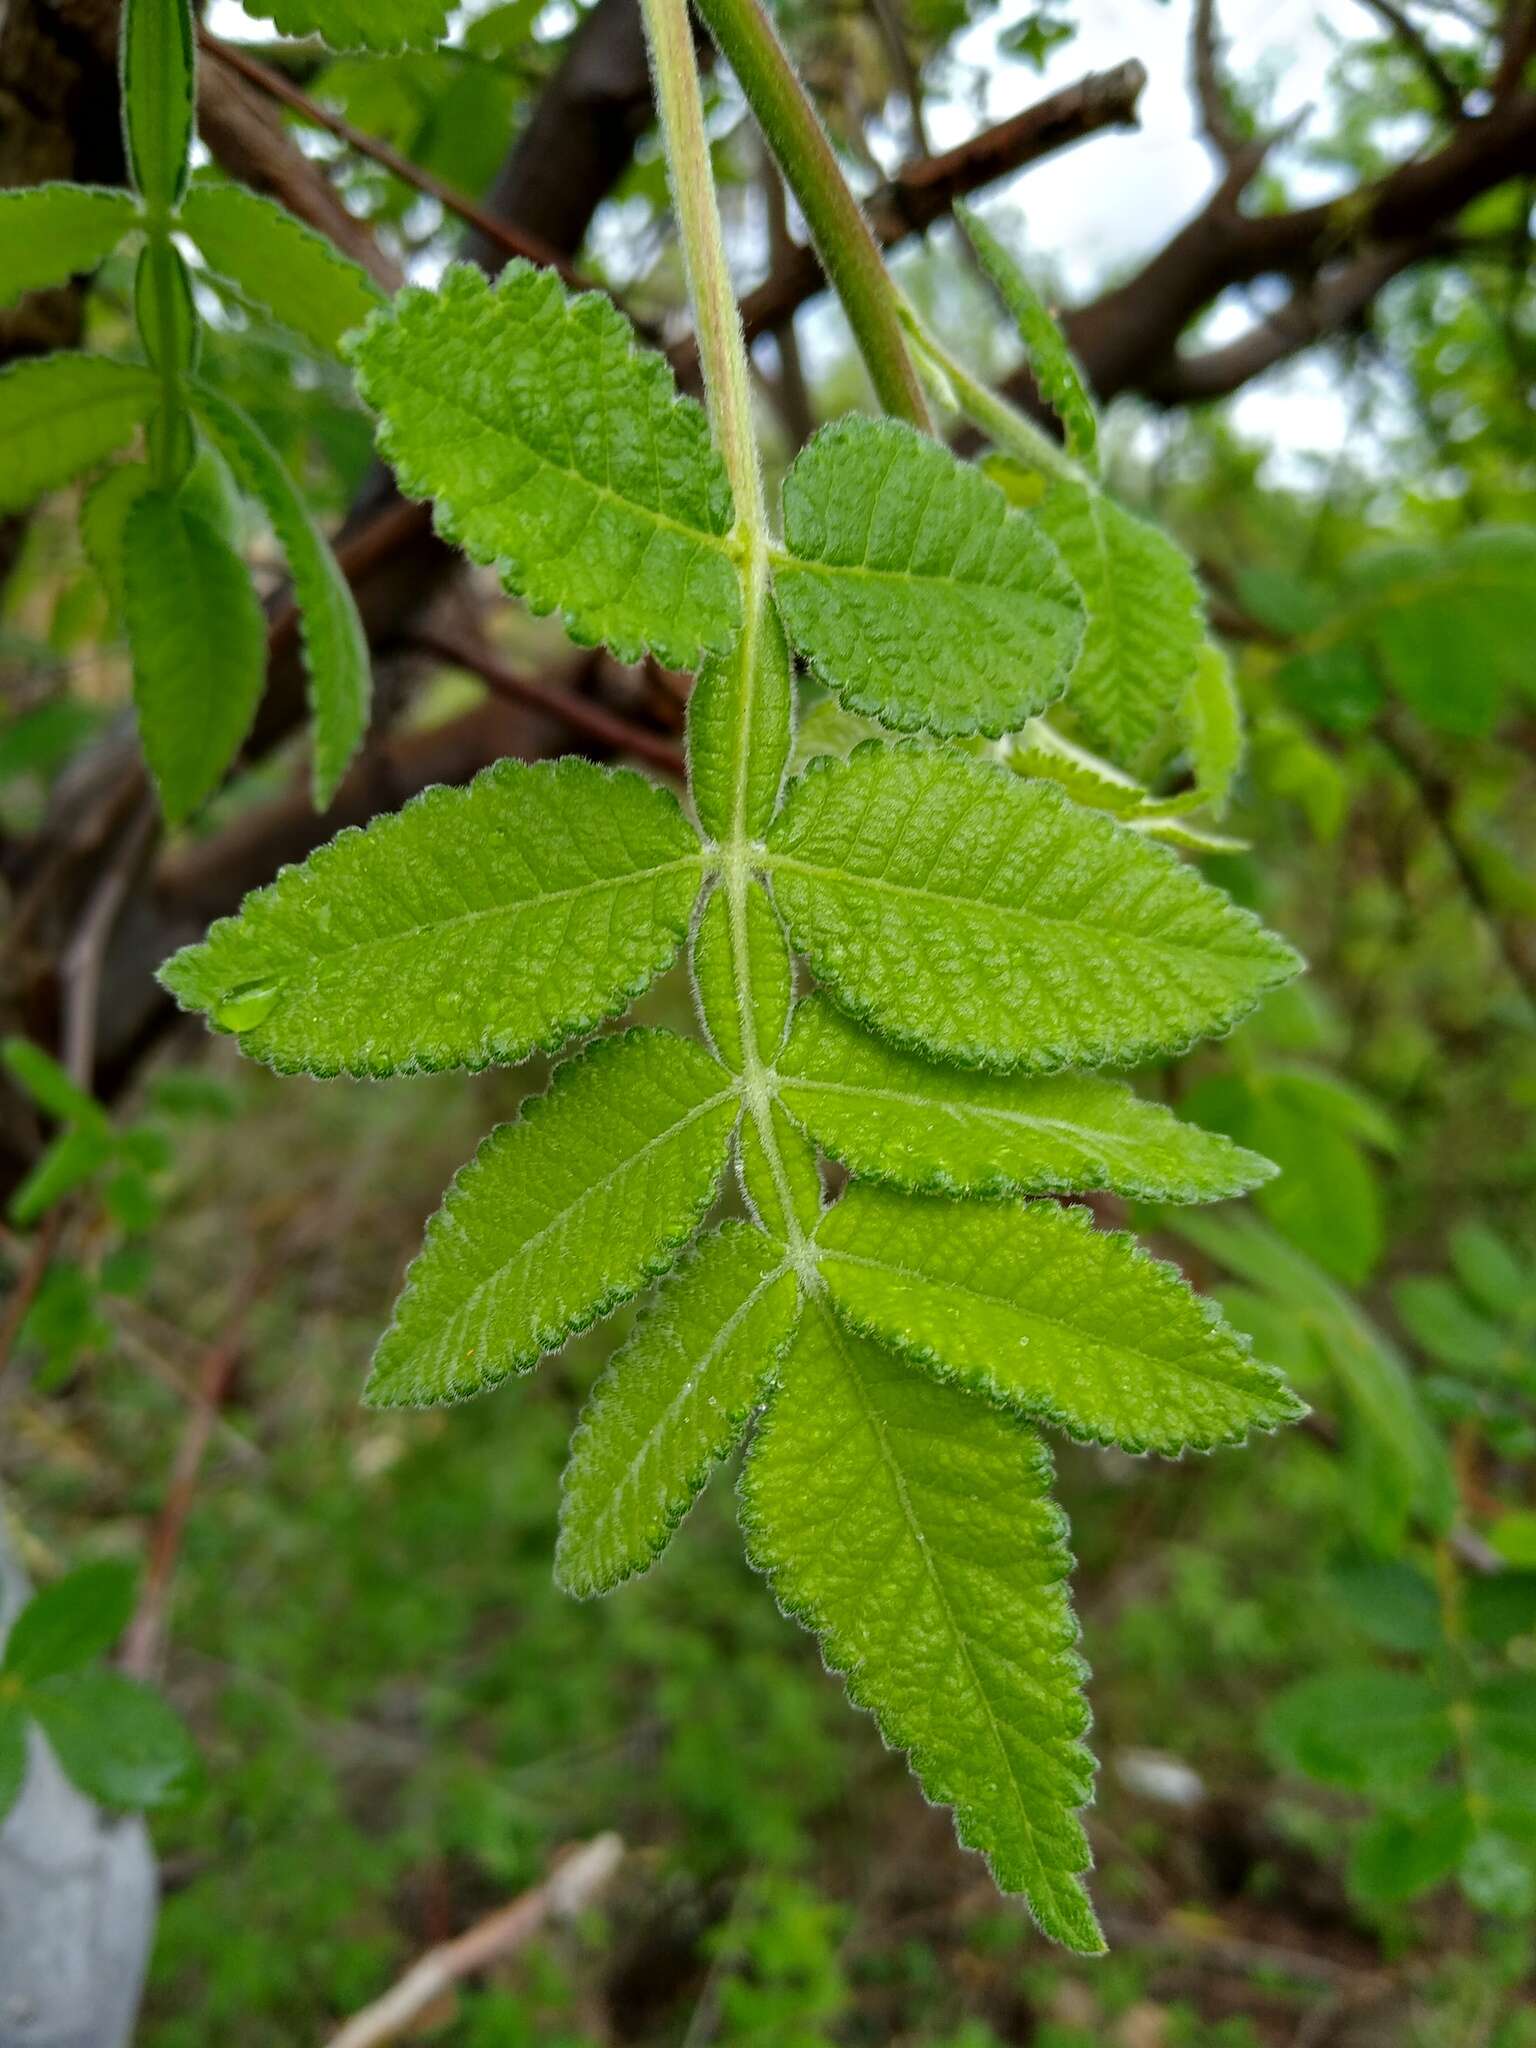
x,y
569,1890
1216,122
40,1250
500,234
607,727
80,969
1417,44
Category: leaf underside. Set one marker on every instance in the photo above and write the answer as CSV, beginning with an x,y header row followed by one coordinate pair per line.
x,y
674,1400
914,592
909,1526
987,919
554,447
1031,1305
559,1217
51,233
63,413
198,639
277,261
1052,364
475,926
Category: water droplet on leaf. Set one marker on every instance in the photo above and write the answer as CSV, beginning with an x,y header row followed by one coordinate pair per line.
x,y
243,1007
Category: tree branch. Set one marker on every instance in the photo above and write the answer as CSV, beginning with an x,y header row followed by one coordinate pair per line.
x,y
1413,39
1210,94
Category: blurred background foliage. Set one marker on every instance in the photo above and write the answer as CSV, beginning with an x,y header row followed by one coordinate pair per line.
x,y
1315,1661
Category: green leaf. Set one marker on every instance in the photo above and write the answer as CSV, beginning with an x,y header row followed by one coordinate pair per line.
x,y
769,976
335,645
913,591
555,448
1378,1384
987,919
1490,1272
49,1085
198,639
783,1183
169,329
1033,1306
51,233
159,81
911,1528
1212,718
475,926
103,519
277,261
1367,1731
13,1753
1439,1319
360,24
673,1402
559,1217
67,1164
71,1622
892,1116
117,1740
63,413
828,729
1052,364
740,715
1399,1856
1146,628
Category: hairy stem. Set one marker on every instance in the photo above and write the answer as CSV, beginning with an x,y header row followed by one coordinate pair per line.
x,y
723,354
848,251
1004,425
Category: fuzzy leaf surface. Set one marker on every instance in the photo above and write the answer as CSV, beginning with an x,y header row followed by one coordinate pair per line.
x,y
1052,364
51,233
890,1115
1145,624
276,260
987,919
914,592
768,978
559,1217
198,639
335,645
1031,1305
555,448
740,712
784,1185
63,413
385,25
911,1528
673,1402
475,926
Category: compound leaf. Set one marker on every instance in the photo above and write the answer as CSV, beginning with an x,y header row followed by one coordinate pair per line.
x,y
1052,364
767,986
1030,1304
889,1115
740,713
1145,625
559,1217
335,645
277,261
555,448
51,233
63,413
988,919
71,1622
783,1184
914,592
476,925
672,1403
159,72
384,25
199,645
117,1740
911,1528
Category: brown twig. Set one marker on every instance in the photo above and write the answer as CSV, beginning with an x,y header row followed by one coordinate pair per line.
x,y
80,968
1210,92
144,1644
569,1889
28,1281
607,727
511,241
